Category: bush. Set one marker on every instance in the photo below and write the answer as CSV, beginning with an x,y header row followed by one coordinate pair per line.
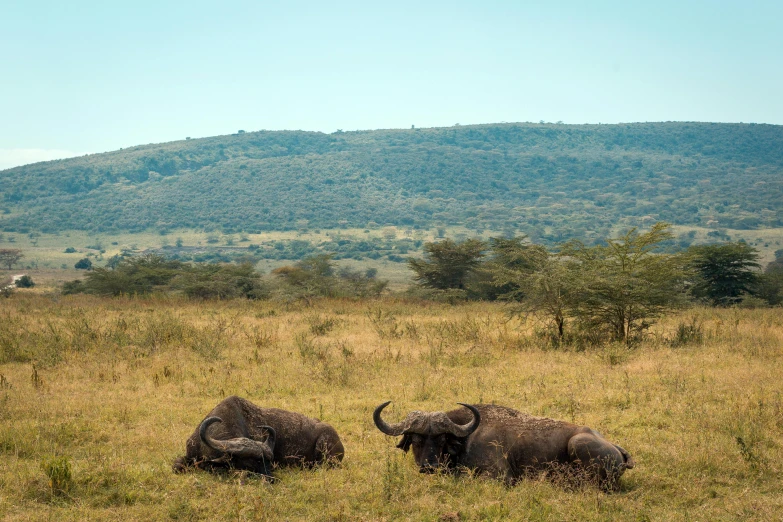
x,y
315,277
221,282
25,282
688,333
154,273
72,287
133,276
83,264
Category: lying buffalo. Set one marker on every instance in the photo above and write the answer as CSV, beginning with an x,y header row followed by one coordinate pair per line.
x,y
238,434
505,444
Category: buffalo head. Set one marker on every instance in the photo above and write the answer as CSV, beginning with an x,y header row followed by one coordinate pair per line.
x,y
241,452
436,440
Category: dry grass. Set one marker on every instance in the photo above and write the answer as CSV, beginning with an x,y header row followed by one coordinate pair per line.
x,y
98,396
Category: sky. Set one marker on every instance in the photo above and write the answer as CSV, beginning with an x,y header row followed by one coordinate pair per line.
x,y
83,77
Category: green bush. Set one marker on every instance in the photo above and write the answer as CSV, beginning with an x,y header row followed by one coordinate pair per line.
x,y
153,273
83,264
133,276
72,287
25,282
221,282
316,276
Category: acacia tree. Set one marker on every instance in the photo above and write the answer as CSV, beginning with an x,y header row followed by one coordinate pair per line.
x,y
625,284
541,282
446,264
726,272
505,254
10,256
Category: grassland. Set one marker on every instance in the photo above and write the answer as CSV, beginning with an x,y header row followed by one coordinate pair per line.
x,y
97,397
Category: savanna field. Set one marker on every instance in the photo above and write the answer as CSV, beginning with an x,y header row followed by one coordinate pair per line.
x,y
98,395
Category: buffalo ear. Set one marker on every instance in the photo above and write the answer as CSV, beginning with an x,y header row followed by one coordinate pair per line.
x,y
405,443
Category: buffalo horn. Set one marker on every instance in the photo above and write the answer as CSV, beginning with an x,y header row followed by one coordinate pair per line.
x,y
393,429
466,429
240,446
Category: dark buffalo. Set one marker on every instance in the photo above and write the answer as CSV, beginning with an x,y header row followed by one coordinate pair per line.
x,y
505,443
237,434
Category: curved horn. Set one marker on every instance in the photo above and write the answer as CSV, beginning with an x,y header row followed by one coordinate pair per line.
x,y
239,446
466,429
271,437
202,431
393,429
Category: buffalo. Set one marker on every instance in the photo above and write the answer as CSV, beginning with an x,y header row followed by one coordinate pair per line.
x,y
237,434
505,444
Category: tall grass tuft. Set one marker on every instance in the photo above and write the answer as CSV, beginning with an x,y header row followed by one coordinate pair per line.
x,y
58,470
321,325
687,333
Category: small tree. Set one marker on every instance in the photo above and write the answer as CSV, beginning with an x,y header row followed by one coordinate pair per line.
x,y
447,264
512,262
320,265
10,256
541,282
625,284
725,272
309,277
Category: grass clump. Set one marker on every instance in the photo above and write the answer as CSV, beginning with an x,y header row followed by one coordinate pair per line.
x,y
58,470
689,332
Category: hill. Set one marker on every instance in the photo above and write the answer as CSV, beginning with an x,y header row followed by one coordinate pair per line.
x,y
551,181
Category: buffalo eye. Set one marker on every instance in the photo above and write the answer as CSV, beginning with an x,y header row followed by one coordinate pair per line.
x,y
454,445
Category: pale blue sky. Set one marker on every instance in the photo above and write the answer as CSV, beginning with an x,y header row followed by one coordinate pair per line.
x,y
95,76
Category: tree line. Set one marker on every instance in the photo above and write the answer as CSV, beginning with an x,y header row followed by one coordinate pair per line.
x,y
613,290
316,276
582,293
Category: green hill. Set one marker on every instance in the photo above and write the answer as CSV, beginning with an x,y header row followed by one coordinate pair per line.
x,y
551,181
